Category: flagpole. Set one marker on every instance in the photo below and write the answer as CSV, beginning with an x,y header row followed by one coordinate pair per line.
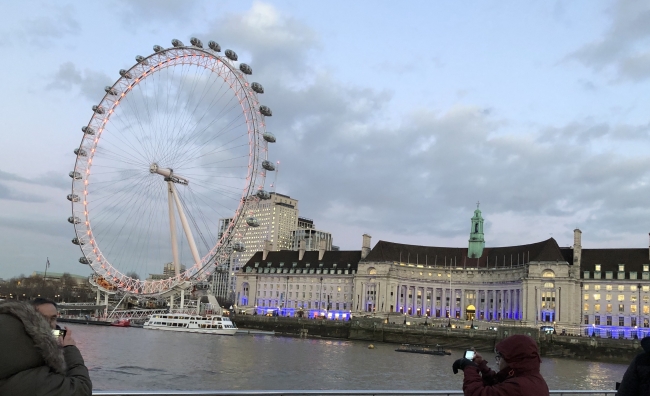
x,y
47,264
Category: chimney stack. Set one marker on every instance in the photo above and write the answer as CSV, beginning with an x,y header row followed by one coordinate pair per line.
x,y
321,249
577,247
365,246
268,246
301,250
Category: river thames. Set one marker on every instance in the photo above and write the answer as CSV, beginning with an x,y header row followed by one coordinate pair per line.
x,y
138,359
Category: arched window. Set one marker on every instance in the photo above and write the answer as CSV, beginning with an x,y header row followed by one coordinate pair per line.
x,y
549,285
372,271
548,274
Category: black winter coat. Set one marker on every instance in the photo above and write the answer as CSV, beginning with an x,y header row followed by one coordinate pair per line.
x,y
636,380
31,361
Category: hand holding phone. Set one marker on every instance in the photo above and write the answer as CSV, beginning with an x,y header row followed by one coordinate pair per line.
x,y
59,332
469,355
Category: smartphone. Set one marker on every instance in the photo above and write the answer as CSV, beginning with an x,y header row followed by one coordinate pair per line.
x,y
58,332
469,355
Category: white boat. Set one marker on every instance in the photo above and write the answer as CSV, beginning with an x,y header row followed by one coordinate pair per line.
x,y
208,324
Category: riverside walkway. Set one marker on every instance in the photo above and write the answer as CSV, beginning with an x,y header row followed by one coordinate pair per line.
x,y
332,392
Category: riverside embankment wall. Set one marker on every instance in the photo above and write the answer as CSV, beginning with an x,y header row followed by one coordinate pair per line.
x,y
375,330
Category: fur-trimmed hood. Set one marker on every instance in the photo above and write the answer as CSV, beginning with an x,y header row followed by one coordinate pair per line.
x,y
39,330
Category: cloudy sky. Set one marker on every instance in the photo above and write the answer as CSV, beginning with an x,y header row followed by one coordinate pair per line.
x,y
392,118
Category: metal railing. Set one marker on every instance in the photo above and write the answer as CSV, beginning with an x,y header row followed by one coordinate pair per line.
x,y
330,392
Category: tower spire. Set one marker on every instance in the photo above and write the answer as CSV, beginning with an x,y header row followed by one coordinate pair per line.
x,y
476,236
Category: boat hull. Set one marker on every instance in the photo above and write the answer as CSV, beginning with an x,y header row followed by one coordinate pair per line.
x,y
186,330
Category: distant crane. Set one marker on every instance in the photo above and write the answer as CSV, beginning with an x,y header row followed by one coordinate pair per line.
x,y
275,178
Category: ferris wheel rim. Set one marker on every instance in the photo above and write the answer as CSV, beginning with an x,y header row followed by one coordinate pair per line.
x,y
255,122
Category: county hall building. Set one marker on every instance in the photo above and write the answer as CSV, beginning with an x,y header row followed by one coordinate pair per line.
x,y
601,291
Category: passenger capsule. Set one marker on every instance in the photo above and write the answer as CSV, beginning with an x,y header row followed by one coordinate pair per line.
x,y
141,59
110,90
246,69
88,130
268,165
80,152
177,43
75,175
84,260
157,48
239,247
269,137
230,54
196,42
257,87
125,74
266,111
73,197
214,46
98,109
73,220
263,194
251,221
78,241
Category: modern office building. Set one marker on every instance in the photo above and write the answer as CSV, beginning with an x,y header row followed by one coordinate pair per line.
x,y
312,239
277,217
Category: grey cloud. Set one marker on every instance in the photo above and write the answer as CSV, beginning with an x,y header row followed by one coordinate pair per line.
x,y
629,32
10,194
51,179
89,82
58,22
135,14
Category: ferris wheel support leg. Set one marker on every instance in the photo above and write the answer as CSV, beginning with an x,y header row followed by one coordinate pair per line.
x,y
186,228
172,227
182,299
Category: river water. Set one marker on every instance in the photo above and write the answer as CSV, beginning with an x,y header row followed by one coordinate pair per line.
x,y
138,359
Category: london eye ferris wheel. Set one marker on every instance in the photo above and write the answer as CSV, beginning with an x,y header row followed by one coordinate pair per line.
x,y
178,142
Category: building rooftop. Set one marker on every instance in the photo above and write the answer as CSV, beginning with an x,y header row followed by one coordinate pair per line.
x,y
288,257
506,256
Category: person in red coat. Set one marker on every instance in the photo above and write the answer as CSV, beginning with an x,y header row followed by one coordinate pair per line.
x,y
518,374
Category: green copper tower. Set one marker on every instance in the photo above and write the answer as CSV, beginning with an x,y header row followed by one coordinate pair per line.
x,y
476,238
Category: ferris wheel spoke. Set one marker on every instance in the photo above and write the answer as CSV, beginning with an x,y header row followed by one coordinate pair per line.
x,y
191,115
218,133
197,132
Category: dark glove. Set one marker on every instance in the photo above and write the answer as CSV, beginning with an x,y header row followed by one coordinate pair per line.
x,y
461,363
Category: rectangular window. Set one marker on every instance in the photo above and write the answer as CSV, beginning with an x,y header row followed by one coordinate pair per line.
x,y
646,267
621,287
621,267
586,296
609,275
621,307
596,307
597,267
621,297
609,321
621,321
633,288
633,321
597,296
586,307
596,287
620,275
586,274
633,275
646,309
597,275
608,297
633,308
608,287
597,320
608,308
646,288
586,319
